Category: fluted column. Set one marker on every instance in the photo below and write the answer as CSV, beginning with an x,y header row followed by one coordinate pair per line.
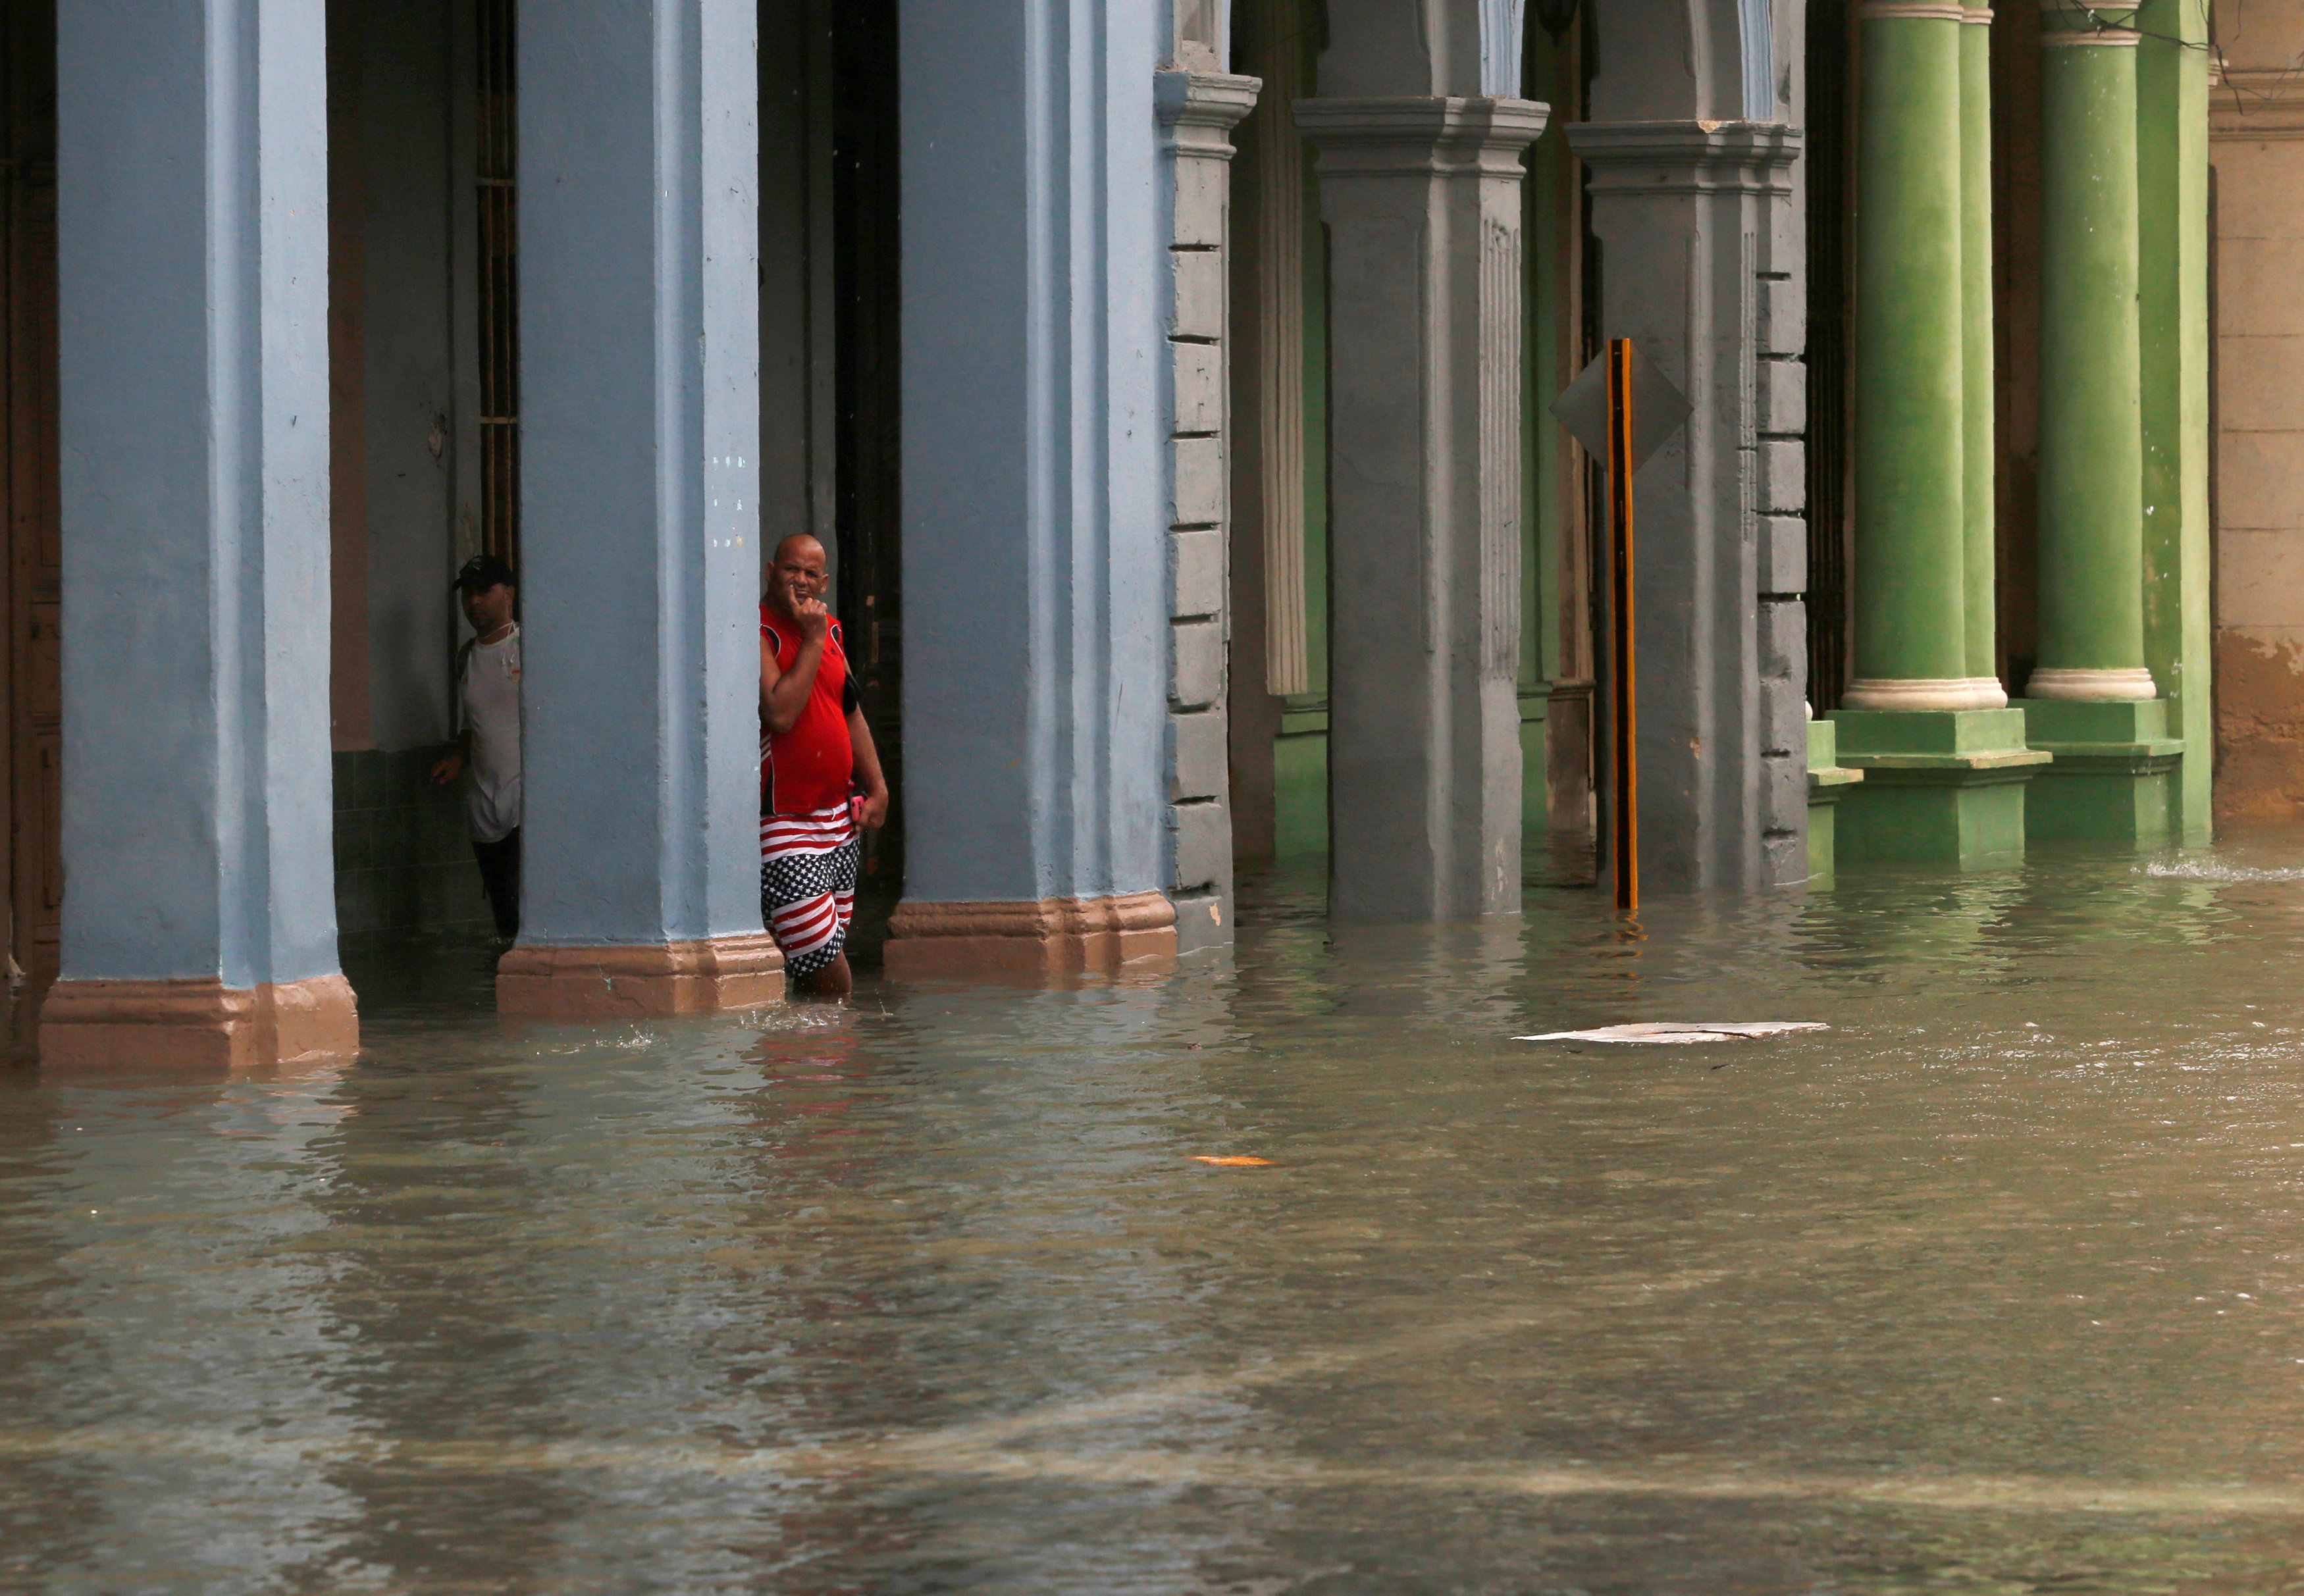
x,y
2092,437
1279,256
1980,588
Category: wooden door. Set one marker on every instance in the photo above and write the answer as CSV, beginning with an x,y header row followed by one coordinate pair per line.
x,y
28,322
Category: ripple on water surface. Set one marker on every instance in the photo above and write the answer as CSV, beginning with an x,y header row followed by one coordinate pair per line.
x,y
1993,1287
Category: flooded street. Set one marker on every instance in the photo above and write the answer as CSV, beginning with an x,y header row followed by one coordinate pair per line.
x,y
1996,1286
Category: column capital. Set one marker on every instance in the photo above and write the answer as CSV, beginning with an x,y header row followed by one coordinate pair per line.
x,y
1685,157
1916,11
1198,110
1395,135
2073,22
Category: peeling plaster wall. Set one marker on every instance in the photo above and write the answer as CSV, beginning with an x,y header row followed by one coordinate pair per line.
x,y
2256,122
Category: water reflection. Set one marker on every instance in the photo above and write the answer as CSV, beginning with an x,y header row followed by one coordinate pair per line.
x,y
172,1303
1995,1285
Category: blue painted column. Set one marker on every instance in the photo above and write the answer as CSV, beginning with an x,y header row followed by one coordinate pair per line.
x,y
639,362
199,922
1035,501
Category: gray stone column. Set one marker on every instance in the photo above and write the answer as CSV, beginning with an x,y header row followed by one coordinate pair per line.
x,y
1689,215
639,373
199,924
1198,111
1421,194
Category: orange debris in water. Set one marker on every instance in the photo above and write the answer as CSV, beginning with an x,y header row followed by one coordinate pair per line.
x,y
1235,1162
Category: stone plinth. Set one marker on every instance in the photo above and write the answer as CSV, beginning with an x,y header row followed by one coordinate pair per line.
x,y
1940,786
2115,771
633,982
1828,780
197,1026
1054,936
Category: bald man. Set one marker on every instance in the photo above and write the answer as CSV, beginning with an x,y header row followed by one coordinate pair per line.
x,y
820,781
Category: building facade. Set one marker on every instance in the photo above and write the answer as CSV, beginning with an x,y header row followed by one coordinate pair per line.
x,y
1174,402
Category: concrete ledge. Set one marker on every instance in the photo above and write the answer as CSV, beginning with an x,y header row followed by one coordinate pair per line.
x,y
2014,764
628,983
1959,733
1051,936
201,1026
2115,759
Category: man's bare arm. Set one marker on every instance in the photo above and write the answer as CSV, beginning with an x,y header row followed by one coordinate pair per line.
x,y
867,772
784,694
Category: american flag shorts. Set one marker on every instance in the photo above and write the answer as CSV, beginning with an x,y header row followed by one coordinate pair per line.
x,y
808,884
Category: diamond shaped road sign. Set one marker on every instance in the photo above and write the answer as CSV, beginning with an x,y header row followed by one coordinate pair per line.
x,y
1659,409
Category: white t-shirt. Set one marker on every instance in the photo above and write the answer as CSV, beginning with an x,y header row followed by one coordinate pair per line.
x,y
487,705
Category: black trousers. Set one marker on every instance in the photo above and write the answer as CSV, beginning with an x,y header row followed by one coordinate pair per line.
x,y
500,875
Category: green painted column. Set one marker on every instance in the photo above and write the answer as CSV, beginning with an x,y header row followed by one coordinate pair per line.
x,y
2092,701
2091,436
1981,589
1909,417
1943,759
2171,129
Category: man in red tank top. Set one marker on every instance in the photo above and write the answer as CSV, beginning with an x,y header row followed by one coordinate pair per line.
x,y
820,778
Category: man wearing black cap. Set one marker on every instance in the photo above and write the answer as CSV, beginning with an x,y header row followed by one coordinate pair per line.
x,y
488,732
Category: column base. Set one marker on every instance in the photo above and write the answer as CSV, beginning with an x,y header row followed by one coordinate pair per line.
x,y
1941,787
199,1025
1054,936
2114,777
633,982
1911,693
2069,684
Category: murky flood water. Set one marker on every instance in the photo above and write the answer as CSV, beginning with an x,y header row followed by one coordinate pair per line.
x,y
1996,1286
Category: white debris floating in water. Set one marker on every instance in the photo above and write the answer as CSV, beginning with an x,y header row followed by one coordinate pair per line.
x,y
1667,1031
